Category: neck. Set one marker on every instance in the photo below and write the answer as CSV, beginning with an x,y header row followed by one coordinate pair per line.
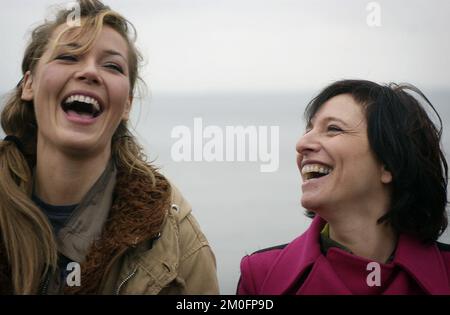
x,y
365,238
64,179
355,226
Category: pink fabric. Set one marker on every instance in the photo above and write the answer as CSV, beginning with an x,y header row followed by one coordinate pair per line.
x,y
416,269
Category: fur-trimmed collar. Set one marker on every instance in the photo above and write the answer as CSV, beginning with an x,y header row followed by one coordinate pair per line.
x,y
137,215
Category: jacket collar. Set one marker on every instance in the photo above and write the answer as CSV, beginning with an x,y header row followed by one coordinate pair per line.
x,y
139,208
85,224
423,263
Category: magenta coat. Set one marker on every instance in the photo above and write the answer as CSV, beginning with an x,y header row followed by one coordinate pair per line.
x,y
300,268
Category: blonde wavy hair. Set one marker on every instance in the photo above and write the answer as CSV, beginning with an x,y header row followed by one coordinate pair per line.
x,y
27,237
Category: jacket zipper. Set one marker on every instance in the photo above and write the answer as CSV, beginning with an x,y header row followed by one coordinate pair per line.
x,y
108,268
111,263
131,275
44,285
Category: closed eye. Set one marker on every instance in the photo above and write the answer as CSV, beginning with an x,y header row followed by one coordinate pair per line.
x,y
334,128
115,67
67,58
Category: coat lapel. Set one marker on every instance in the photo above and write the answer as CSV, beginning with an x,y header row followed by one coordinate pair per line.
x,y
424,263
323,280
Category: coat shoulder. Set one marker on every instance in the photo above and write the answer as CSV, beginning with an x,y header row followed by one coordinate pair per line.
x,y
271,250
179,204
262,259
255,267
443,247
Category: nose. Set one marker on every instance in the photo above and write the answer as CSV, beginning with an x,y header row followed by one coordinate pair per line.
x,y
308,143
88,73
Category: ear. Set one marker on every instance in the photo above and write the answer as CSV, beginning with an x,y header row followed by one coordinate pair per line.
x,y
27,87
126,112
386,176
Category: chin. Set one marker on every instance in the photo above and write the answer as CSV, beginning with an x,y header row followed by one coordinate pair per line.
x,y
315,205
308,204
80,146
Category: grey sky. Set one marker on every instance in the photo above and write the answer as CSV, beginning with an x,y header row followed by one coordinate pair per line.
x,y
265,45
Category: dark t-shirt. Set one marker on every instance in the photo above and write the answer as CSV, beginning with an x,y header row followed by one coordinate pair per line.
x,y
57,215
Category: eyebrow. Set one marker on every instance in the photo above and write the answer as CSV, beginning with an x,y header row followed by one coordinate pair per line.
x,y
328,119
111,52
57,48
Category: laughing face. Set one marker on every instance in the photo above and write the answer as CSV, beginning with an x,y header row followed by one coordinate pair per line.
x,y
79,100
337,165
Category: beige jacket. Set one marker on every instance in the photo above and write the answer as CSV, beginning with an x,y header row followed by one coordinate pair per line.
x,y
179,261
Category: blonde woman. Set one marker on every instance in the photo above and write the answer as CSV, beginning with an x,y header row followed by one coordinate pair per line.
x,y
75,186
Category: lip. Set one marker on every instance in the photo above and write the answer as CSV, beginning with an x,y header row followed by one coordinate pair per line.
x,y
306,162
86,93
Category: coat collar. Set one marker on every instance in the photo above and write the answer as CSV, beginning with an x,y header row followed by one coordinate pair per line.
x,y
423,263
86,223
138,211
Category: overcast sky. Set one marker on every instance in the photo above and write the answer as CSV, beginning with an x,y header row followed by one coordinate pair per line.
x,y
264,45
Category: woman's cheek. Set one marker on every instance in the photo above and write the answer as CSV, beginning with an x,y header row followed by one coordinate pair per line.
x,y
120,93
52,81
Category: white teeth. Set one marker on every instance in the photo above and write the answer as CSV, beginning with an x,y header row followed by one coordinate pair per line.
x,y
84,99
316,168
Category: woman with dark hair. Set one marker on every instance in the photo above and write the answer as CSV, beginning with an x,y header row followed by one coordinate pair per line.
x,y
375,181
81,209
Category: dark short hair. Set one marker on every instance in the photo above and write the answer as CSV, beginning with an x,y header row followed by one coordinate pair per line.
x,y
407,142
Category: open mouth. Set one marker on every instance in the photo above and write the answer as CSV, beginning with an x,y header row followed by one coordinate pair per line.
x,y
315,171
82,105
